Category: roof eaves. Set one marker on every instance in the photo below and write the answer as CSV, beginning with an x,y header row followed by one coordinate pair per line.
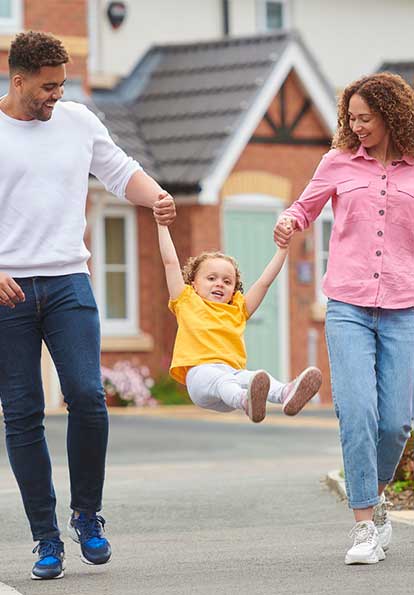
x,y
227,41
131,87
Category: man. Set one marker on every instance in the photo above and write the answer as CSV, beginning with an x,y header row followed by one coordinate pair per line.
x,y
47,150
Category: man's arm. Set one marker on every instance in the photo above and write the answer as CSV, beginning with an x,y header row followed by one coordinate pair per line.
x,y
144,191
173,275
258,290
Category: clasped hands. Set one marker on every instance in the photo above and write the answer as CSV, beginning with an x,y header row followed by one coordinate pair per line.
x,y
164,209
284,229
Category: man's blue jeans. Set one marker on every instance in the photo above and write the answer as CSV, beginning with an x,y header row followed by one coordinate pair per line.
x,y
61,311
371,353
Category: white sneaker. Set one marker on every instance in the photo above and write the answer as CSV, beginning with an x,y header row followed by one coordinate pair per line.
x,y
382,522
366,548
297,393
257,392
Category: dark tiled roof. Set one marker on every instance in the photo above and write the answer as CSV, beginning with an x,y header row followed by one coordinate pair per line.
x,y
125,131
180,105
404,69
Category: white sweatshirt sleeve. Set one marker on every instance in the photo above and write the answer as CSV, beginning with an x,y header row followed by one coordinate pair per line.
x,y
110,164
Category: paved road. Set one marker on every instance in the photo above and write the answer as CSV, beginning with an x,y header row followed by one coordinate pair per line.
x,y
209,506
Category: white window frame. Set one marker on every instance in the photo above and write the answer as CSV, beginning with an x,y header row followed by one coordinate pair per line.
x,y
109,208
262,26
15,22
326,215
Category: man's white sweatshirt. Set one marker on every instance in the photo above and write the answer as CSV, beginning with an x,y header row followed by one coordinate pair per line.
x,y
44,171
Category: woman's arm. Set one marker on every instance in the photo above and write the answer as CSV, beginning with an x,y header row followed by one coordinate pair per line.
x,y
312,200
173,275
258,290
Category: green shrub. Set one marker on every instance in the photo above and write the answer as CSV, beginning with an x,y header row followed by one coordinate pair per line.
x,y
169,392
400,486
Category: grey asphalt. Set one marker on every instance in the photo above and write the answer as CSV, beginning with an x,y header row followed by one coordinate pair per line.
x,y
201,507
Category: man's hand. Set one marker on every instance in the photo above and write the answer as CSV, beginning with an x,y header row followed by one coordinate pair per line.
x,y
10,292
283,231
164,209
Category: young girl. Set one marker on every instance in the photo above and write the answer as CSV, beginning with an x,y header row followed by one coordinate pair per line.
x,y
209,353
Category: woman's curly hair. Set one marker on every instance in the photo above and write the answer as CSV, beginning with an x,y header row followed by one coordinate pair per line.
x,y
387,94
32,50
194,262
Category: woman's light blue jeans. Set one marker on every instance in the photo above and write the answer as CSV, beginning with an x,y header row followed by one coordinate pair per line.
x,y
371,353
61,311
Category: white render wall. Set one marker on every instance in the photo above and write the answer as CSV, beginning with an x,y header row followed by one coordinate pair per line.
x,y
243,17
150,22
348,37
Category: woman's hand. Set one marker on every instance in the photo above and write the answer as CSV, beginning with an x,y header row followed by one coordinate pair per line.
x,y
164,209
284,229
10,292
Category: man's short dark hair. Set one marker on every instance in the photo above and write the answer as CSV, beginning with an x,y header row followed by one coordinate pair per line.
x,y
32,50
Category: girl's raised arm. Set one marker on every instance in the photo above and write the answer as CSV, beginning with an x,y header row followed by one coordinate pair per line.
x,y
173,275
258,290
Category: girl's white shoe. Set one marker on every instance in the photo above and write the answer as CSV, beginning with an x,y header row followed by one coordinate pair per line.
x,y
257,393
297,393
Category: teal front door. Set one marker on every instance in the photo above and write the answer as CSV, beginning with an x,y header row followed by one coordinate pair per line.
x,y
248,236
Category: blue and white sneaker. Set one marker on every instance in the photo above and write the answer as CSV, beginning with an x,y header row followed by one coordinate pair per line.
x,y
88,530
51,562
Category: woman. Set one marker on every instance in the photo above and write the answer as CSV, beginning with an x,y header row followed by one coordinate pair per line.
x,y
369,176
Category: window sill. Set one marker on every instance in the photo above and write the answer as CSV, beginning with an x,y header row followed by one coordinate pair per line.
x,y
141,342
318,312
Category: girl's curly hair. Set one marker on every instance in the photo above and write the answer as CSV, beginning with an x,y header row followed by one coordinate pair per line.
x,y
387,94
194,262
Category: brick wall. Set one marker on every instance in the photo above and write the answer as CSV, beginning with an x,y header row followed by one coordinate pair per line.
x,y
60,17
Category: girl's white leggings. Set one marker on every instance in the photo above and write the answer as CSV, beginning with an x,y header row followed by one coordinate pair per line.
x,y
223,388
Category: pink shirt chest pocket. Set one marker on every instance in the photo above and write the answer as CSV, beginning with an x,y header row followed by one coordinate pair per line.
x,y
401,204
355,200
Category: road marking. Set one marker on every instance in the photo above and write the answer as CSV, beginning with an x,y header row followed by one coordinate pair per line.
x,y
7,590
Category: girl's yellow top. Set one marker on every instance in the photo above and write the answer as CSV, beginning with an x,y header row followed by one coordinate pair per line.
x,y
208,332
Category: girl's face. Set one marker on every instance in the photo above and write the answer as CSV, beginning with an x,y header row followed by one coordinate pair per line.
x,y
368,125
215,280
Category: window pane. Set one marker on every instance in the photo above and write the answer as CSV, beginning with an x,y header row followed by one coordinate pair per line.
x,y
115,240
116,295
326,234
5,9
274,15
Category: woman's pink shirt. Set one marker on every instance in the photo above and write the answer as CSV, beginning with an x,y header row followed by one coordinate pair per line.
x,y
371,251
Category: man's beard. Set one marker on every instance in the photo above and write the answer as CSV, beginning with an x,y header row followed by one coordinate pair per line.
x,y
36,111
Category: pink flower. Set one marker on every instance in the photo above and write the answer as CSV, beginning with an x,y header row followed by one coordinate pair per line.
x,y
129,383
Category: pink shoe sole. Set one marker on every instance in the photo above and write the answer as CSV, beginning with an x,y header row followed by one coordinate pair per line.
x,y
257,396
305,386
